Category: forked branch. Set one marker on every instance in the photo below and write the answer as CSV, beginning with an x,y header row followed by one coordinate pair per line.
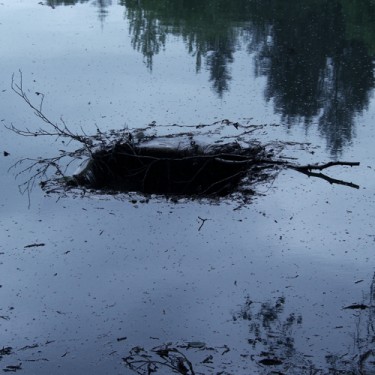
x,y
53,129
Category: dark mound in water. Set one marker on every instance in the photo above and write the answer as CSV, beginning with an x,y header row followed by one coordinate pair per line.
x,y
158,168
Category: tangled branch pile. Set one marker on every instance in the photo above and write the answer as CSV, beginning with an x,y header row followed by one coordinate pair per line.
x,y
191,170
213,160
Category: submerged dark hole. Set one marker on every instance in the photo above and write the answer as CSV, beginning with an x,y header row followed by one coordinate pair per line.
x,y
218,170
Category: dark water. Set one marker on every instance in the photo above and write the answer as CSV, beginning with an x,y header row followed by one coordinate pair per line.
x,y
270,281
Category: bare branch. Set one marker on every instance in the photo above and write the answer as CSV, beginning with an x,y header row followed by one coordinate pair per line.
x,y
53,129
328,179
320,167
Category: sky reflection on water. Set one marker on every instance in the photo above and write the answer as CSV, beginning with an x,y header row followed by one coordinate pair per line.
x,y
110,268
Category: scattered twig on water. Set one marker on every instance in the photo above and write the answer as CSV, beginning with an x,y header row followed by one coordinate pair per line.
x,y
35,245
203,221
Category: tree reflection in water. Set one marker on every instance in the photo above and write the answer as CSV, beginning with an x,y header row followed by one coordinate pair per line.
x,y
102,5
316,70
317,55
273,332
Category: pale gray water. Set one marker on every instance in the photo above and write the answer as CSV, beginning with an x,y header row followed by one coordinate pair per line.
x,y
112,269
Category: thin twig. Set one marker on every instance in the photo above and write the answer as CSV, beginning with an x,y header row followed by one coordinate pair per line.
x,y
203,221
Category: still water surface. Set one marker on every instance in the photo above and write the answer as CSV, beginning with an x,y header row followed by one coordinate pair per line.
x,y
112,269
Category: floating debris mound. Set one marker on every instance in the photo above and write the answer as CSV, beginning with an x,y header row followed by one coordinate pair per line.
x,y
222,159
179,164
215,160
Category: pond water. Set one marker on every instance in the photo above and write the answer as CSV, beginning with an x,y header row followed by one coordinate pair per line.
x,y
265,286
